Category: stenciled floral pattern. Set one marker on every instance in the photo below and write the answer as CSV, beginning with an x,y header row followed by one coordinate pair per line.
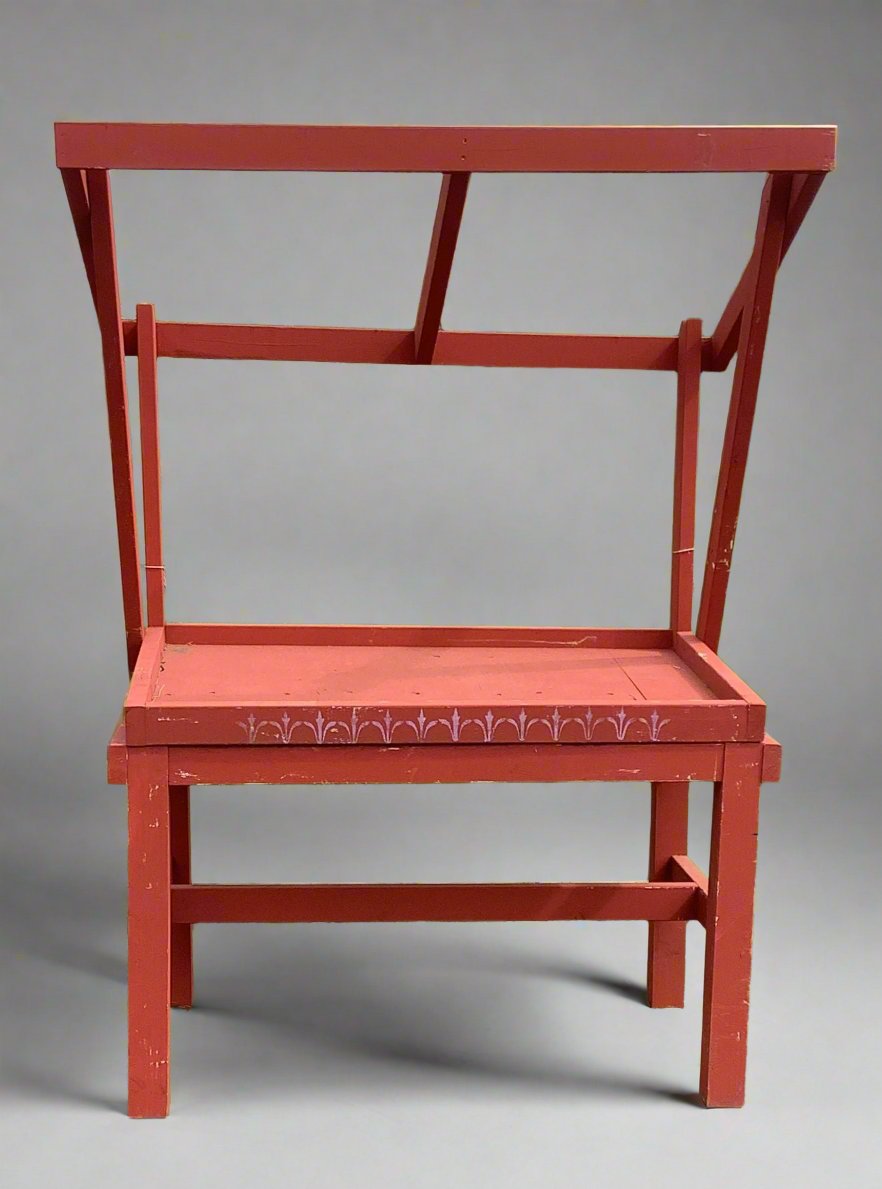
x,y
374,726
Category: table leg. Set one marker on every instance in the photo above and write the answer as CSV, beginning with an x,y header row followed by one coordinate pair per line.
x,y
668,835
149,932
730,926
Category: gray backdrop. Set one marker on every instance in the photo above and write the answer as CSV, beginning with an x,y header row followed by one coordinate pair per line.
x,y
439,1055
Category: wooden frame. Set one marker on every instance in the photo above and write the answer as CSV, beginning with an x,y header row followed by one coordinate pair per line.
x,y
350,148
313,704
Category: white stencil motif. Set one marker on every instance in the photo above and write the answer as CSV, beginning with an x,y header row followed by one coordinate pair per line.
x,y
377,727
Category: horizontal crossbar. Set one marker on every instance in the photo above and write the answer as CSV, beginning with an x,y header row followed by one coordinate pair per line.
x,y
751,149
454,348
212,903
409,635
428,763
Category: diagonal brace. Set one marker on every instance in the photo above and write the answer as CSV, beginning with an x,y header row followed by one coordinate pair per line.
x,y
445,233
78,200
724,341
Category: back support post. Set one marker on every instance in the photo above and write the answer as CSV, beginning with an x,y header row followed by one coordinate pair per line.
x,y
685,468
78,200
145,320
110,323
742,405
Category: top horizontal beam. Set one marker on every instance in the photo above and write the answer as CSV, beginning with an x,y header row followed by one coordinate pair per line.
x,y
353,149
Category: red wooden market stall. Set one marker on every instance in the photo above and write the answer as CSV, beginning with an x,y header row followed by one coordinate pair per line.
x,y
319,704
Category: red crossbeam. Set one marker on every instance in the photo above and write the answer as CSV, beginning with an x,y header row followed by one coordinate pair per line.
x,y
192,903
355,344
353,149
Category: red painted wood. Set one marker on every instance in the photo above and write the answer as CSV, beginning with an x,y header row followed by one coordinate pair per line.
x,y
117,755
314,344
533,704
683,869
142,684
730,927
149,933
442,764
434,902
724,341
803,194
107,297
685,471
668,836
453,348
428,764
442,247
150,471
78,200
771,760
345,149
412,635
721,679
489,349
181,934
174,724
415,675
741,412
268,694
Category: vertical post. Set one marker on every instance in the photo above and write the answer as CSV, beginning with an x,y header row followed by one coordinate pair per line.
x,y
668,836
145,323
149,932
110,324
445,232
181,934
685,471
729,939
742,406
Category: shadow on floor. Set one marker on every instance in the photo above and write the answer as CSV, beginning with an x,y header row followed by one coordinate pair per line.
x,y
331,1010
414,1015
